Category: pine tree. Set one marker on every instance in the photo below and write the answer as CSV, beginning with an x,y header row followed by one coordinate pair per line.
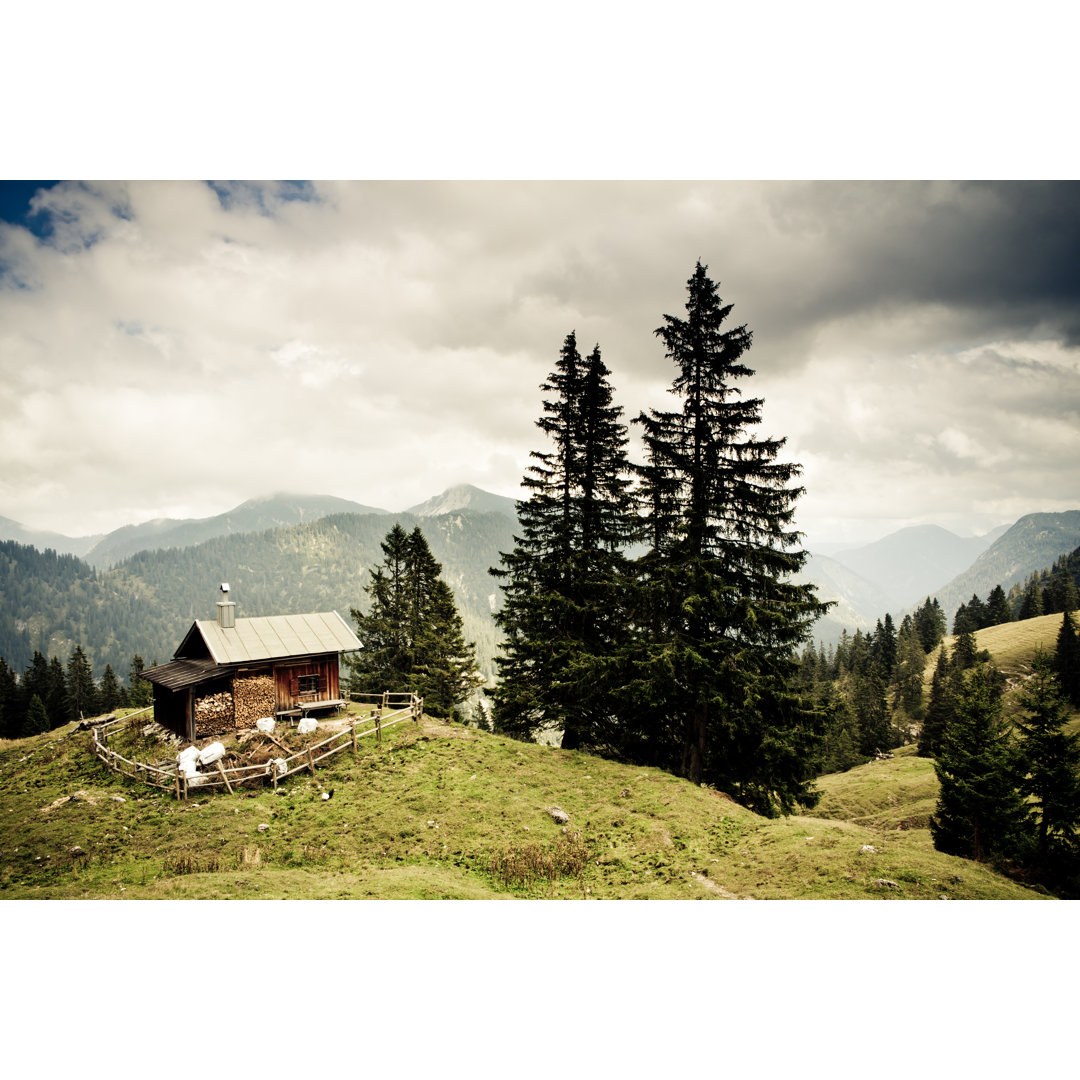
x,y
1067,660
873,713
565,583
930,624
910,665
109,691
11,716
385,661
444,671
719,615
1050,757
412,636
140,692
997,607
81,691
37,719
965,648
980,813
939,710
1031,606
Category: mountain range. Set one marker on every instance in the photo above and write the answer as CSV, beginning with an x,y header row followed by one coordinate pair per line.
x,y
287,553
275,511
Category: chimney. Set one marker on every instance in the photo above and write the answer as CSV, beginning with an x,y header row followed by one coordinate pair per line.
x,y
226,609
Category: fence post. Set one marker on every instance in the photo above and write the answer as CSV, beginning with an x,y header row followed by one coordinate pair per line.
x,y
310,761
354,738
385,698
378,725
178,781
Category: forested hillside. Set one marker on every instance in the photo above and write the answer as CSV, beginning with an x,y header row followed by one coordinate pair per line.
x,y
146,603
1032,544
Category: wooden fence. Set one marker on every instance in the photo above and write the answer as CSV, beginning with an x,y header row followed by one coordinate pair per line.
x,y
169,775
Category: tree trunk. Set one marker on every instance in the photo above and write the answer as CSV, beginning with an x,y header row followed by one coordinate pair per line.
x,y
693,754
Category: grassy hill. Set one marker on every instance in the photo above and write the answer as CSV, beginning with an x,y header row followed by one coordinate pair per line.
x,y
445,811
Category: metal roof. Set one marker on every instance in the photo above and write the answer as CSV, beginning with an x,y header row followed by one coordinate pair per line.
x,y
276,637
179,674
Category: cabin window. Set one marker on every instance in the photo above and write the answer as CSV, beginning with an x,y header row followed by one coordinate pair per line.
x,y
308,684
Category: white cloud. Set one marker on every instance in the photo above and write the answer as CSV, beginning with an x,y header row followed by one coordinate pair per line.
x,y
170,348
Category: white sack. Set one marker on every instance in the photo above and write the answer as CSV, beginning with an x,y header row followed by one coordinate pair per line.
x,y
306,725
279,764
266,724
214,752
188,757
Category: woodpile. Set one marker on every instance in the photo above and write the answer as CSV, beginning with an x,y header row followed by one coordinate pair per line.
x,y
214,714
254,697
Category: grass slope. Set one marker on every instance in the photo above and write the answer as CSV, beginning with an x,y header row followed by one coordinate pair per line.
x,y
444,811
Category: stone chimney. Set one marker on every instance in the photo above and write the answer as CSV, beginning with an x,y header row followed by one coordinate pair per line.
x,y
226,609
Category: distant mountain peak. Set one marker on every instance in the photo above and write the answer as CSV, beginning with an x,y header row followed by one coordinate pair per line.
x,y
465,497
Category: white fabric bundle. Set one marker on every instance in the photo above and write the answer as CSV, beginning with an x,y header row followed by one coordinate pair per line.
x,y
187,758
279,764
266,724
306,725
214,752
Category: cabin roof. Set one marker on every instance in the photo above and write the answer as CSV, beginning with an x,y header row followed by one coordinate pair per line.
x,y
270,637
180,674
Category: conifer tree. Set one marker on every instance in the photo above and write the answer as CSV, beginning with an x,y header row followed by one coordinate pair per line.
x,y
565,583
930,624
55,695
719,616
412,635
385,661
109,691
910,665
140,692
965,648
11,716
980,812
997,607
939,710
1031,606
1067,660
81,691
37,719
1050,758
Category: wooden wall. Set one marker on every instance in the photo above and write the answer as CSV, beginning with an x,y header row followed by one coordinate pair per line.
x,y
287,680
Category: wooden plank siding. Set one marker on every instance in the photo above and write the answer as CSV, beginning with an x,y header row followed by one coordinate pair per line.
x,y
287,681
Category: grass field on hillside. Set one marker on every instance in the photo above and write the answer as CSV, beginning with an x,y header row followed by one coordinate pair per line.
x,y
446,811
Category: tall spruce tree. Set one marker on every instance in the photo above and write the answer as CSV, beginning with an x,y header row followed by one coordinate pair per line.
x,y
81,691
939,710
1050,758
1067,660
980,813
565,583
719,615
998,610
412,634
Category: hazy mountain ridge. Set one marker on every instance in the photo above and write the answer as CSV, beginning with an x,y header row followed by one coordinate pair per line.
x,y
42,539
256,515
1027,547
909,564
147,602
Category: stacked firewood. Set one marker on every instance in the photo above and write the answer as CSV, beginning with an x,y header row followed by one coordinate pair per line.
x,y
255,698
214,714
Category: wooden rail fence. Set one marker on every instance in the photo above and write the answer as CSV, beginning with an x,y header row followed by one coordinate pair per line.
x,y
392,708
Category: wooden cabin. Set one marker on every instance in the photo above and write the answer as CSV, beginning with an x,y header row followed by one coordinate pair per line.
x,y
229,672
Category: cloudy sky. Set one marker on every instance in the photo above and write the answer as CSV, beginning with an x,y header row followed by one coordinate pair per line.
x,y
173,348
